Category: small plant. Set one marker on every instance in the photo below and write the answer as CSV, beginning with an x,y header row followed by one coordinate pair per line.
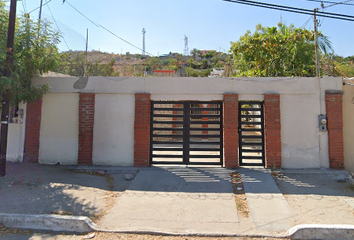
x,y
350,187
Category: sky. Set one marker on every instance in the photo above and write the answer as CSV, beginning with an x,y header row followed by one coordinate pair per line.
x,y
208,24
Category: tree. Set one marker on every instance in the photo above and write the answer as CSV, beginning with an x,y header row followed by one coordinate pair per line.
x,y
35,52
195,52
277,51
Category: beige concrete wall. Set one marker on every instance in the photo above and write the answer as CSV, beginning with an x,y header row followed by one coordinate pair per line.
x,y
302,143
113,136
348,127
299,131
59,128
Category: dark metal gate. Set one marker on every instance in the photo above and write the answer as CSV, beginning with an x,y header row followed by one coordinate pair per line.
x,y
186,132
251,134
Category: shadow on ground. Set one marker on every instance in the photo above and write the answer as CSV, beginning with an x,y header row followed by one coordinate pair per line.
x,y
314,184
30,188
183,180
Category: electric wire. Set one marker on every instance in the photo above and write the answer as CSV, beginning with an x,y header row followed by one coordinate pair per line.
x,y
331,2
57,25
293,9
24,6
109,31
39,7
307,22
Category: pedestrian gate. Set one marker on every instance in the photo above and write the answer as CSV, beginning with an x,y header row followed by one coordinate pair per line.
x,y
186,132
251,134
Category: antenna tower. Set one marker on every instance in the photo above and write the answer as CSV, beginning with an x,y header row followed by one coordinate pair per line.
x,y
186,50
144,41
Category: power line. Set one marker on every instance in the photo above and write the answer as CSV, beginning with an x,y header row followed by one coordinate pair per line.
x,y
331,2
308,20
109,31
24,5
293,9
335,4
57,25
39,7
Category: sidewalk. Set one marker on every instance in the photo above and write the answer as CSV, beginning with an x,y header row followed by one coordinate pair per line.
x,y
178,200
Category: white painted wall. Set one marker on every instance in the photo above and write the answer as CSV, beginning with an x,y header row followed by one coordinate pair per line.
x,y
59,128
16,138
302,144
113,136
299,131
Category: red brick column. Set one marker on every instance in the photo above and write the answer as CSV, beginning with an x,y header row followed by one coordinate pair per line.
x,y
272,130
142,130
230,129
335,128
33,128
86,122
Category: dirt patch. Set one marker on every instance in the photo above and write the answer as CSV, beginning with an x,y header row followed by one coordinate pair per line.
x,y
240,196
29,234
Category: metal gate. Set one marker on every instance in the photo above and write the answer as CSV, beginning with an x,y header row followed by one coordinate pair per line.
x,y
186,132
251,134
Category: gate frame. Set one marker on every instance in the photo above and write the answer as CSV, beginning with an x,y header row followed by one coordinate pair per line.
x,y
262,123
186,137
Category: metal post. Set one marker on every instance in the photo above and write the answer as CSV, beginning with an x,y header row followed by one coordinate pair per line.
x,y
40,10
6,97
318,74
85,67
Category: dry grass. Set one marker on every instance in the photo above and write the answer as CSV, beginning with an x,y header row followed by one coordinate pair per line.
x,y
5,232
240,196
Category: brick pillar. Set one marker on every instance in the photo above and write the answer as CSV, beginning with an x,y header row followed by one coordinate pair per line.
x,y
33,127
272,130
335,128
230,128
142,130
86,122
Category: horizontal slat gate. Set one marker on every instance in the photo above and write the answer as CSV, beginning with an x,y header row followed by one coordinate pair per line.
x,y
186,132
251,134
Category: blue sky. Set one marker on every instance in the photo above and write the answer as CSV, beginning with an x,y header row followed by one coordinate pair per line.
x,y
208,24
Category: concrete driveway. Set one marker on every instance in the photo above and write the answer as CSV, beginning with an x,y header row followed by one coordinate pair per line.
x,y
176,200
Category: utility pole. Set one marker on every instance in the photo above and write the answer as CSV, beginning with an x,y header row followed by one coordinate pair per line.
x,y
186,50
6,97
85,67
316,44
40,10
144,41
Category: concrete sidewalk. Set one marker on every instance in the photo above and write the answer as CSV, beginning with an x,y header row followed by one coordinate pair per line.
x,y
180,200
268,207
199,201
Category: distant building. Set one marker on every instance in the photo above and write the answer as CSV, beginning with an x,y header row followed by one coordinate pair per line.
x,y
202,52
167,56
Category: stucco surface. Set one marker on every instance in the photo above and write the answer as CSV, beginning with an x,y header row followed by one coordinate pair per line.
x,y
299,131
59,128
348,127
303,145
113,141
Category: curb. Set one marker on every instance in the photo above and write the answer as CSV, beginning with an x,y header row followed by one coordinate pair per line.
x,y
322,231
48,222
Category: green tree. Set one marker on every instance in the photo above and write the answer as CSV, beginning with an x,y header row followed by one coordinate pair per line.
x,y
195,52
35,52
277,51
